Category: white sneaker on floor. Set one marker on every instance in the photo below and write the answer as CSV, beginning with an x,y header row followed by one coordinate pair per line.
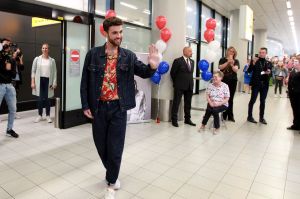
x,y
109,194
38,119
49,120
115,186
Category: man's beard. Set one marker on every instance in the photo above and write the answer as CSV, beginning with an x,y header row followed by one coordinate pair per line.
x,y
116,44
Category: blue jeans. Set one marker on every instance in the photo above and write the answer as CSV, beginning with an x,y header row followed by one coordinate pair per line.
x,y
43,100
9,93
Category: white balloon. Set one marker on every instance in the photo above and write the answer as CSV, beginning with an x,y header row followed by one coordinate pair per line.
x,y
210,56
161,46
160,57
214,45
1,47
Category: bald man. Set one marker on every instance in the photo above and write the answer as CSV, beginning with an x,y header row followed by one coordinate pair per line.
x,y
182,76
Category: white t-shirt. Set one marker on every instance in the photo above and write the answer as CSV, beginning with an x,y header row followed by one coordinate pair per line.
x,y
218,94
45,68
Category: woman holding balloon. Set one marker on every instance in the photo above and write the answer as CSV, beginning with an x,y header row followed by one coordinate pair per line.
x,y
229,65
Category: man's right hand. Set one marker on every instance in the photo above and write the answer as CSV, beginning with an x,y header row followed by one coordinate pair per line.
x,y
88,113
7,66
33,86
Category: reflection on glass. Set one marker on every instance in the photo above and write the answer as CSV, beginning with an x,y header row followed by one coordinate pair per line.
x,y
206,14
134,11
218,30
100,7
192,19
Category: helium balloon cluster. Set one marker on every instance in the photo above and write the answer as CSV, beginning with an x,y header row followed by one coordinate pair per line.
x,y
213,47
161,45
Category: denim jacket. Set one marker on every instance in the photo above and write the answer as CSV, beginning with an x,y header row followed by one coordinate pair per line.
x,y
93,73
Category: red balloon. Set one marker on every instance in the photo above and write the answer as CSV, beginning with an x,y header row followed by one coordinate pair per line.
x,y
161,22
102,30
209,35
211,23
165,34
110,13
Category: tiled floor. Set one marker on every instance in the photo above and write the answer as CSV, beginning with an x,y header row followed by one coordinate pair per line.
x,y
160,161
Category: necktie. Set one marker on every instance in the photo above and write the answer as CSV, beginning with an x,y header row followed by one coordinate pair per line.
x,y
188,63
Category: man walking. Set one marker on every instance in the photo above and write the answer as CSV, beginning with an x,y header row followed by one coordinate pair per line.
x,y
108,91
182,76
260,84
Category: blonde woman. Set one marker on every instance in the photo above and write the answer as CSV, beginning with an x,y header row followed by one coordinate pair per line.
x,y
43,81
280,73
229,65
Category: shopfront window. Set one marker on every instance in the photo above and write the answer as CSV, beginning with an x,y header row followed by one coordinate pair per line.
x,y
99,38
135,38
134,11
101,6
192,19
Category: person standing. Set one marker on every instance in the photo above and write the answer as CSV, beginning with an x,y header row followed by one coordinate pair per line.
x,y
43,81
182,76
107,92
7,90
280,74
261,73
229,65
294,94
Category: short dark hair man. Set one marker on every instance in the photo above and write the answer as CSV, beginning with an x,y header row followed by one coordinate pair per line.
x,y
182,76
7,90
260,84
107,92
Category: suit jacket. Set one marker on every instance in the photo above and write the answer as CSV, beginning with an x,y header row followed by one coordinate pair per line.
x,y
180,74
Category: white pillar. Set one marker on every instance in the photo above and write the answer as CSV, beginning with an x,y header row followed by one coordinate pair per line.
x,y
260,39
175,12
241,45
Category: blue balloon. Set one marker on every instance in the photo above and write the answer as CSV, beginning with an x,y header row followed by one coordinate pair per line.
x,y
156,78
203,65
206,76
163,67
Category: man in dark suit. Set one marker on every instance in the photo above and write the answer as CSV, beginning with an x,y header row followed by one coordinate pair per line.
x,y
260,84
182,76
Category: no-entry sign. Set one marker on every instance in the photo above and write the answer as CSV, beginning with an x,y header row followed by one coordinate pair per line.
x,y
75,55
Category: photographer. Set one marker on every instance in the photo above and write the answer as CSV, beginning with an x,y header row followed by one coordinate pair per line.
x,y
7,91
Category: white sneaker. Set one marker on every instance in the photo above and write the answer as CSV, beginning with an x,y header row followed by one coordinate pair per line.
x,y
110,194
49,120
116,186
38,119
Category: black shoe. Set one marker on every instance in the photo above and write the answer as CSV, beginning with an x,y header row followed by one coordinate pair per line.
x,y
175,123
189,122
231,119
12,133
224,116
263,121
252,120
293,128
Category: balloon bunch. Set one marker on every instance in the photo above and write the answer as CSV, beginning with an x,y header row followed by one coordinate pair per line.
x,y
109,14
161,45
213,47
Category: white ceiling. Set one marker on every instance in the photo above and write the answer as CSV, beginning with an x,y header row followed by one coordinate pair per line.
x,y
268,14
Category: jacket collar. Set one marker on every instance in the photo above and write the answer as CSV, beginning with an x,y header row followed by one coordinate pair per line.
x,y
102,51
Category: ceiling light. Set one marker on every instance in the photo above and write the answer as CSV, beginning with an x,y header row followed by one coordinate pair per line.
x,y
146,11
290,12
128,5
292,23
123,18
132,28
189,9
138,23
288,4
100,12
189,27
291,18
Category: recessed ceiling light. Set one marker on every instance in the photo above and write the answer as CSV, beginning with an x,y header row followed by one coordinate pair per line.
x,y
288,4
292,23
291,18
290,12
128,5
146,11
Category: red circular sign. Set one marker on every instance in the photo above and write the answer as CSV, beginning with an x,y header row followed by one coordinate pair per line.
x,y
75,55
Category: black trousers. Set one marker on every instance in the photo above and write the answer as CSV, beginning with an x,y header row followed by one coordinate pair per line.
x,y
43,100
188,94
262,88
215,112
295,103
109,128
232,88
278,83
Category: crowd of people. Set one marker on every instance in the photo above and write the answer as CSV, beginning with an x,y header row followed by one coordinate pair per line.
x,y
43,80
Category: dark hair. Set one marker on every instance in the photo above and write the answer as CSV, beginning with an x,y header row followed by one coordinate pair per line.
x,y
112,21
4,39
264,48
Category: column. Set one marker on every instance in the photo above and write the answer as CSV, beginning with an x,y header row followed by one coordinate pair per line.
x,y
260,39
175,12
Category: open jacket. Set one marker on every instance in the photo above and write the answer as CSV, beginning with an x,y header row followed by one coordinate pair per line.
x,y
93,73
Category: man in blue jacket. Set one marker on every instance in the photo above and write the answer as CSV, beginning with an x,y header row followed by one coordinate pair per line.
x,y
108,91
